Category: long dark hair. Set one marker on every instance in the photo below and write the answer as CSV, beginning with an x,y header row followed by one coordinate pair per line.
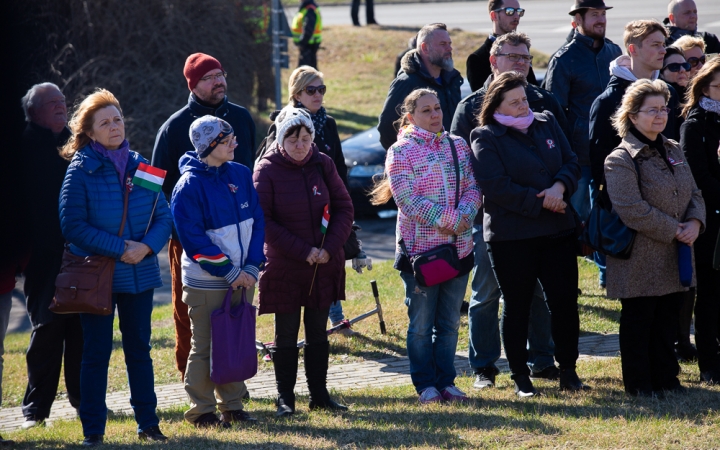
x,y
503,83
699,83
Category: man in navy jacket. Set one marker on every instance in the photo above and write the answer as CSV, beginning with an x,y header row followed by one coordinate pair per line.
x,y
208,88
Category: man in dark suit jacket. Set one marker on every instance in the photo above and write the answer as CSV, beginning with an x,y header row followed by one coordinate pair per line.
x,y
505,16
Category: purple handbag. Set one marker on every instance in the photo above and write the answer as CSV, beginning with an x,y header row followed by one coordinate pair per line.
x,y
232,344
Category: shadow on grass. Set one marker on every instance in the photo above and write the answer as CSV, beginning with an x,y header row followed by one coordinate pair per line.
x,y
605,313
341,347
363,120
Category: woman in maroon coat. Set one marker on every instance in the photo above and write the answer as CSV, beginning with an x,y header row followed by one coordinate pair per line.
x,y
295,182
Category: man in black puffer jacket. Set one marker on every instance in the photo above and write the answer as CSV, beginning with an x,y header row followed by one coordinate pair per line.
x,y
430,65
682,20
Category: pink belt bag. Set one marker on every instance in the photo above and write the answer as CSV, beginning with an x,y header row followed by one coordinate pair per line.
x,y
434,266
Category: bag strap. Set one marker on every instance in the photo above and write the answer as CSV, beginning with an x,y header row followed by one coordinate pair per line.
x,y
457,171
124,216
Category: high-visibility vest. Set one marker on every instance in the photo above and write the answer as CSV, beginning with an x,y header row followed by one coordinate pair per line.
x,y
297,25
258,18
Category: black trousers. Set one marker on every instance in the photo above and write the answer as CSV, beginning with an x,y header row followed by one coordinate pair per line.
x,y
648,326
49,345
518,265
287,327
707,317
369,12
308,55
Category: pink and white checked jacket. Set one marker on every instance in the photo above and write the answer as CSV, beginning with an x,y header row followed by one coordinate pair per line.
x,y
422,180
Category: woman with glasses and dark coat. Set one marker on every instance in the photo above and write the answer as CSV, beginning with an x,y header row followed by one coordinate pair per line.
x,y
653,192
700,141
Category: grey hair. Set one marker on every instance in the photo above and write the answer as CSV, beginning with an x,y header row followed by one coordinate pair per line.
x,y
513,38
28,100
427,31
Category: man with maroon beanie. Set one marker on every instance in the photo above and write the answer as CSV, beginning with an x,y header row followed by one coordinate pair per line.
x,y
207,82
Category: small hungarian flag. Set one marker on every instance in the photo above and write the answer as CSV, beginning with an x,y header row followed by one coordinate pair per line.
x,y
149,177
325,219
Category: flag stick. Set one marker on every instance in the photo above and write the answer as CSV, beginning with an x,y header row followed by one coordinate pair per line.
x,y
316,266
151,213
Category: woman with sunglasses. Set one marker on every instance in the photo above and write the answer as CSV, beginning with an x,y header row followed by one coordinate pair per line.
x,y
653,192
693,48
700,139
676,70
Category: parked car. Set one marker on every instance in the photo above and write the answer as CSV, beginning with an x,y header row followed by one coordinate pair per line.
x,y
365,158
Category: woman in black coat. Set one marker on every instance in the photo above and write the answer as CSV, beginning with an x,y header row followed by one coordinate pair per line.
x,y
700,139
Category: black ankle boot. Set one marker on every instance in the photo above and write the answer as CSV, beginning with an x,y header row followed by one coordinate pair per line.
x,y
569,380
285,361
316,367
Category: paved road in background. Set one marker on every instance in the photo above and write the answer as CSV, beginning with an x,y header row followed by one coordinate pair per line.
x,y
545,21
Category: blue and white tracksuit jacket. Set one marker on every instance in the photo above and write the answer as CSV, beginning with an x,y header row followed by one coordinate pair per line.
x,y
219,222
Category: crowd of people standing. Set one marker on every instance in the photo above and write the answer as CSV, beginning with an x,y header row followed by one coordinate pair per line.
x,y
504,177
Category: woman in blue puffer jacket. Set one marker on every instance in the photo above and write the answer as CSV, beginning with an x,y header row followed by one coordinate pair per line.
x,y
91,210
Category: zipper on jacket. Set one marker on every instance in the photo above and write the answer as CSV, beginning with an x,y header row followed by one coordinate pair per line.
x,y
307,192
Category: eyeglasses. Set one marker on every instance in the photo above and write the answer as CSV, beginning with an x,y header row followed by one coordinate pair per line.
x,y
512,11
230,140
675,67
715,86
217,77
695,61
656,111
515,57
312,89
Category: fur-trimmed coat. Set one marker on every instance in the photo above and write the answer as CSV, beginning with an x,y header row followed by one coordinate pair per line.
x,y
654,211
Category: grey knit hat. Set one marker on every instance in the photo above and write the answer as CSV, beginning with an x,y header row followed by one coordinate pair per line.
x,y
288,118
206,132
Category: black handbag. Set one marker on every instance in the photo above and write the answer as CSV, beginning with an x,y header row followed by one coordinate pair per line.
x,y
605,232
442,262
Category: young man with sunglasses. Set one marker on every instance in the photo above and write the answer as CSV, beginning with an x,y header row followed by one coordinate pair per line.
x,y
505,16
509,52
207,82
682,21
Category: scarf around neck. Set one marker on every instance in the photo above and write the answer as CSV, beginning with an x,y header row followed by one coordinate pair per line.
x,y
318,120
620,67
519,123
709,104
119,157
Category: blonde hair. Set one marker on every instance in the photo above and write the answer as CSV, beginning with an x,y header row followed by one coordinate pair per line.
x,y
637,30
380,192
699,83
633,100
83,118
688,42
300,79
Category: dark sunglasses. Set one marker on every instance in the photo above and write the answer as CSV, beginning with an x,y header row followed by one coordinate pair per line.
x,y
312,89
675,67
512,11
695,61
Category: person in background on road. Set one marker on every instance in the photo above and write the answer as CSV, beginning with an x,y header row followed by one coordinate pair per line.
x,y
664,205
644,43
306,31
484,332
369,12
221,228
577,74
305,266
700,141
505,16
91,212
529,231
694,50
435,207
54,337
431,66
682,21
207,82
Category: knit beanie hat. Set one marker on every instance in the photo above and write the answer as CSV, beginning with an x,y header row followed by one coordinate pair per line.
x,y
206,132
197,65
288,118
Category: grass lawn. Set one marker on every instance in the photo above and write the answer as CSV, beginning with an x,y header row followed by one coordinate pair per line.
x,y
358,65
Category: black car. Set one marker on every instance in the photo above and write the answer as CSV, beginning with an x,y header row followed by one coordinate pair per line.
x,y
365,158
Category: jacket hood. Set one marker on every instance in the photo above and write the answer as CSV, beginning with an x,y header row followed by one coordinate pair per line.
x,y
191,162
411,63
620,68
418,134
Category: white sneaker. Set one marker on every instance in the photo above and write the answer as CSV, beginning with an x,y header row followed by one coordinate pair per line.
x,y
345,331
31,423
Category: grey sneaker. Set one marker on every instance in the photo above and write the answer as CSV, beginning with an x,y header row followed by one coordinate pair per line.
x,y
485,377
430,395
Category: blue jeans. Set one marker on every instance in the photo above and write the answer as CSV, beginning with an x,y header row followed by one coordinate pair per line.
x,y
134,311
336,312
484,329
598,257
432,334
